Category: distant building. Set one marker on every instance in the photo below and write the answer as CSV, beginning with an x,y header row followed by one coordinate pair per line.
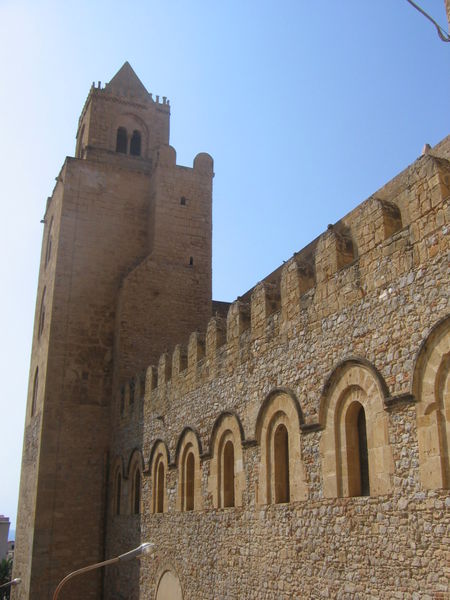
x,y
4,531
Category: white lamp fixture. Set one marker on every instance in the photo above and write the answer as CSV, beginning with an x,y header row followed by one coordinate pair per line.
x,y
144,548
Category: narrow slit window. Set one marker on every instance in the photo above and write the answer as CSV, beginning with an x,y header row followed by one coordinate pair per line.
x,y
189,479
160,478
228,474
357,451
281,464
363,453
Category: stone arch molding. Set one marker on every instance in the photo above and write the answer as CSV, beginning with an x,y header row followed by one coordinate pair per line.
x,y
280,408
351,383
136,460
168,586
431,387
226,429
189,445
134,477
117,480
159,469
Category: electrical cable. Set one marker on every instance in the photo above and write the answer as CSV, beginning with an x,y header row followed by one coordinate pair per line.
x,y
445,37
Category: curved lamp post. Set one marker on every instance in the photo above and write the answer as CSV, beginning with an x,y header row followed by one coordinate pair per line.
x,y
11,583
136,553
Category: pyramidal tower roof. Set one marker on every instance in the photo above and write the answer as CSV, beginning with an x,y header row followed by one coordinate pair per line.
x,y
126,83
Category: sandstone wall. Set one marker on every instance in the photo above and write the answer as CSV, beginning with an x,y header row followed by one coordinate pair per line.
x,y
351,311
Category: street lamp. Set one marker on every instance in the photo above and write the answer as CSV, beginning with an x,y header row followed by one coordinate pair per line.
x,y
15,581
144,548
9,584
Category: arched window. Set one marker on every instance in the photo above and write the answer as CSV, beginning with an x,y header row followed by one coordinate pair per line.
x,y
48,249
35,391
121,140
281,475
431,387
357,452
363,453
281,464
228,474
160,486
189,469
159,470
189,485
135,143
136,496
41,315
117,493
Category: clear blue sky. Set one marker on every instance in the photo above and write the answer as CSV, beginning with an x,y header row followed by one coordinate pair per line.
x,y
306,107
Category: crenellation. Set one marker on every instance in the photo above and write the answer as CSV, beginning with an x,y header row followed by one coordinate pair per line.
x,y
196,350
377,220
204,164
333,252
298,276
164,370
265,300
151,381
179,360
216,337
140,386
238,320
294,295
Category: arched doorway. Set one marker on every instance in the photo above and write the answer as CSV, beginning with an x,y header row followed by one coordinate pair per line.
x,y
169,587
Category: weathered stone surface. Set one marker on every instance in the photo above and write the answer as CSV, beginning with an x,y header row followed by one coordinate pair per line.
x,y
297,448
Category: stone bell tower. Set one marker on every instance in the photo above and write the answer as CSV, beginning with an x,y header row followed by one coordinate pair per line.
x,y
125,274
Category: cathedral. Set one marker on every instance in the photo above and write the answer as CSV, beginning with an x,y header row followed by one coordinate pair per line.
x,y
291,444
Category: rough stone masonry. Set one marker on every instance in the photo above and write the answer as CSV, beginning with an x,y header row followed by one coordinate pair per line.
x,y
293,444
